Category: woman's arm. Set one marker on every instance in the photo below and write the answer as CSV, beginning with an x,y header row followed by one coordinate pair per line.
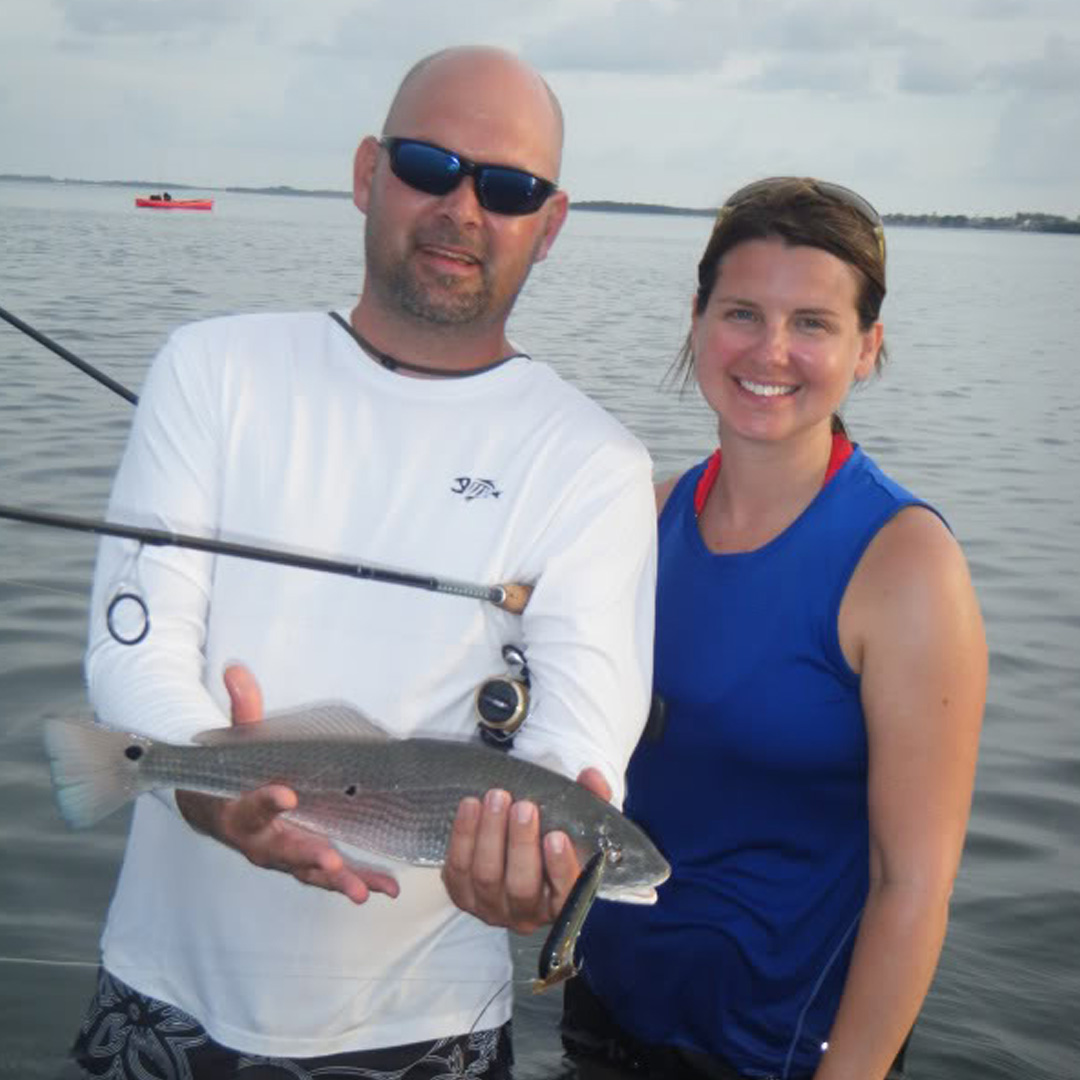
x,y
910,624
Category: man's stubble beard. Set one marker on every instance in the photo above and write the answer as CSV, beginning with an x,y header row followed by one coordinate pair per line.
x,y
439,301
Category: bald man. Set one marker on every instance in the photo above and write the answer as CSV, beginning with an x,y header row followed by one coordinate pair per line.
x,y
408,431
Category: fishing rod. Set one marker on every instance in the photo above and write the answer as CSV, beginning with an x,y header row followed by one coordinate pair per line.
x,y
511,597
70,357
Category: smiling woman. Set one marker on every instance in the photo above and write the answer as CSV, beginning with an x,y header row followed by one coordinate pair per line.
x,y
820,651
779,342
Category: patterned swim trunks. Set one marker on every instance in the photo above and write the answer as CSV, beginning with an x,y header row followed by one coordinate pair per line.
x,y
129,1036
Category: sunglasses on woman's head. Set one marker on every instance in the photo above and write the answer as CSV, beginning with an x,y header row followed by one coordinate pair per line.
x,y
435,171
836,192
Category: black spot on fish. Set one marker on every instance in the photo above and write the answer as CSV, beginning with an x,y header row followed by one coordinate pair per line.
x,y
133,753
350,790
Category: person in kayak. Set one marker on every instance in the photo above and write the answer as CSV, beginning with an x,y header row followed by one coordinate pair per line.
x,y
412,432
821,654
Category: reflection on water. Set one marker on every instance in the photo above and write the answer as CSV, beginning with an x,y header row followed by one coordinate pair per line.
x,y
976,412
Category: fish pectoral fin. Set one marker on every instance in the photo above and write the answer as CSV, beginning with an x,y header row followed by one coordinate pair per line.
x,y
332,720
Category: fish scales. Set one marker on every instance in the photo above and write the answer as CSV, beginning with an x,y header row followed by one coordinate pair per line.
x,y
392,797
380,798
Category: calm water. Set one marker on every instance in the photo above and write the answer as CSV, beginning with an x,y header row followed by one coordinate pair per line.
x,y
977,412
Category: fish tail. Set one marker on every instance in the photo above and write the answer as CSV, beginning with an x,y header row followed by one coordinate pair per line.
x,y
95,769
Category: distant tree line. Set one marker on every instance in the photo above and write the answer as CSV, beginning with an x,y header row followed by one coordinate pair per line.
x,y
1026,221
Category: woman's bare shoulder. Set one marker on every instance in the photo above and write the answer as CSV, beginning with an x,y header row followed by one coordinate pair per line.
x,y
911,595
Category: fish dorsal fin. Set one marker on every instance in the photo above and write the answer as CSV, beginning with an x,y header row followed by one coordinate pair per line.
x,y
333,720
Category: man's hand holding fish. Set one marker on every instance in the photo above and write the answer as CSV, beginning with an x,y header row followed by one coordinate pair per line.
x,y
252,823
496,867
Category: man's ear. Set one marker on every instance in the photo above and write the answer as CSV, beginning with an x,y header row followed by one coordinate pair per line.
x,y
556,210
367,154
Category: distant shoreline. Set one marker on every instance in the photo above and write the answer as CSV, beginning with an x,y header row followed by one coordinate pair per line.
x,y
1019,222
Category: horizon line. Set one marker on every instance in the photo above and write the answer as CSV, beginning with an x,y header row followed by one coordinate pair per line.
x,y
613,205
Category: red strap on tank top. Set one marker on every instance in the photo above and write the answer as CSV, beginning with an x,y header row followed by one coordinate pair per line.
x,y
841,451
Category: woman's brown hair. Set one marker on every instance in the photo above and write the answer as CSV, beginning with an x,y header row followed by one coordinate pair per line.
x,y
804,213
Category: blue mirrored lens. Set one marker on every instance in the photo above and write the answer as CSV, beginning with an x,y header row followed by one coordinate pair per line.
x,y
509,191
426,168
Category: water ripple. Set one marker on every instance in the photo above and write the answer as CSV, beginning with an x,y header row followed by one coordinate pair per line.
x,y
976,412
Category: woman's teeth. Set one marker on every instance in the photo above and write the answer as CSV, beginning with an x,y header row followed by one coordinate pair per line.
x,y
766,389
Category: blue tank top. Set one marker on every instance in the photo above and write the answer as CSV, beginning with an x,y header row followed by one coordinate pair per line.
x,y
756,791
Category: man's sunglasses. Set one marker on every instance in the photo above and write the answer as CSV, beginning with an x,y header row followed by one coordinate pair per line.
x,y
435,171
836,192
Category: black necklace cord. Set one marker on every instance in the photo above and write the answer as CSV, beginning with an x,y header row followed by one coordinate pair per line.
x,y
392,363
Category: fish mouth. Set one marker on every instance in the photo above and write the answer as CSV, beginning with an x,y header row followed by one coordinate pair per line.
x,y
629,894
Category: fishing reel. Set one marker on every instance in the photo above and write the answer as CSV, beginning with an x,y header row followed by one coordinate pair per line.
x,y
502,703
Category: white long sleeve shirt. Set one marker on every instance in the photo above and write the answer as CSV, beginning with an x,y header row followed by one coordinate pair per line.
x,y
279,430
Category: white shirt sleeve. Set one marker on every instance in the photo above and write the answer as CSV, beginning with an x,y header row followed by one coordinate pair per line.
x,y
168,480
588,627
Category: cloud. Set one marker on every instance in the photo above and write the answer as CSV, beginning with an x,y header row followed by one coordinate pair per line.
x,y
1016,10
392,35
999,9
688,36
1036,150
934,68
99,18
1057,71
817,27
639,36
845,74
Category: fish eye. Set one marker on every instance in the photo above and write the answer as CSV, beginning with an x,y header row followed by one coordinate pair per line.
x,y
614,855
133,753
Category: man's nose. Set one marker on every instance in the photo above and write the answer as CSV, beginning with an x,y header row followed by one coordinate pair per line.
x,y
461,204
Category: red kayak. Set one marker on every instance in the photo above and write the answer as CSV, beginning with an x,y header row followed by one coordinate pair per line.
x,y
158,203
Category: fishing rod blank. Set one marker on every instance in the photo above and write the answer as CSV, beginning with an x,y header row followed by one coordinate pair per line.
x,y
70,357
511,597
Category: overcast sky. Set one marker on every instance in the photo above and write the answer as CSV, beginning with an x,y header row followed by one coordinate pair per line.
x,y
922,105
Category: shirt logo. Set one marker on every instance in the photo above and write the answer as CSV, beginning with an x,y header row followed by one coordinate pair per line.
x,y
475,488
